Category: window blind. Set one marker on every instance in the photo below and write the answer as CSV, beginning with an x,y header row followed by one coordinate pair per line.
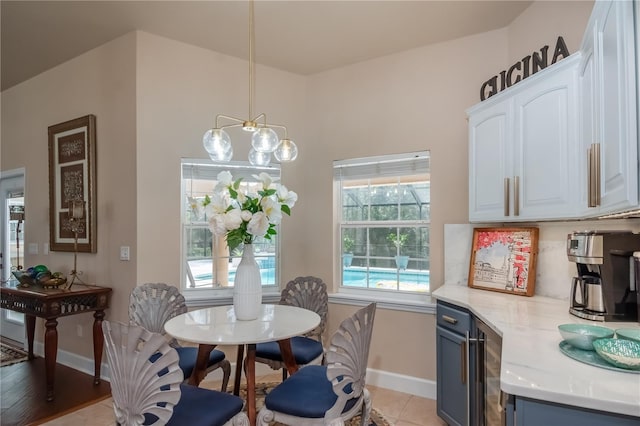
x,y
393,165
199,169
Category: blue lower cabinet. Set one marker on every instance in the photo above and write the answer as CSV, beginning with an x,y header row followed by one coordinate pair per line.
x,y
455,365
531,412
452,391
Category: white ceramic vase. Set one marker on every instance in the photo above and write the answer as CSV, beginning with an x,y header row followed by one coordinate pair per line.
x,y
247,287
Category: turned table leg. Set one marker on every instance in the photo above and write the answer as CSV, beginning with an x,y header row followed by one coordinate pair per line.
x,y
98,345
50,353
30,322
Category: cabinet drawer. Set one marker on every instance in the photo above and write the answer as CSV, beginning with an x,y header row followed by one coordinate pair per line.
x,y
453,319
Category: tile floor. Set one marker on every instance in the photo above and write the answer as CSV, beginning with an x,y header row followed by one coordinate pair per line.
x,y
399,408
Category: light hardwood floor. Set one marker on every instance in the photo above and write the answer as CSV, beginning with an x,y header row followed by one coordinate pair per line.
x,y
399,408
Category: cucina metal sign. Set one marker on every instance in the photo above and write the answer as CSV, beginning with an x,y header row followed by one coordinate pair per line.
x,y
526,67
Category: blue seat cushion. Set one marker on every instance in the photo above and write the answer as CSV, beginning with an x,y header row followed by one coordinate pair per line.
x,y
201,407
307,393
188,356
304,350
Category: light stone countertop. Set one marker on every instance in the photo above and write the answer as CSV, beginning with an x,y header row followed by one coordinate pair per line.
x,y
532,364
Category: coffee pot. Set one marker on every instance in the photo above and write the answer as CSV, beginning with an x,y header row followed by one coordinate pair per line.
x,y
586,293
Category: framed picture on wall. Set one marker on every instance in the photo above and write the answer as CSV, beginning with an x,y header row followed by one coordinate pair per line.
x,y
72,178
504,260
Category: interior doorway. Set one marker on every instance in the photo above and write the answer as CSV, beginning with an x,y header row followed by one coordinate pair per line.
x,y
12,250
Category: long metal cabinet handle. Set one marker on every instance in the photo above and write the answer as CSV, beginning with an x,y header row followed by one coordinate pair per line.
x,y
450,320
506,196
516,195
590,176
463,360
467,359
597,168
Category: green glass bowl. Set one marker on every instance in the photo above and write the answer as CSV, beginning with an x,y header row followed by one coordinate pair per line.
x,y
628,334
619,352
582,336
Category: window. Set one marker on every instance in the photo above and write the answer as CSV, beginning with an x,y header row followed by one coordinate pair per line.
x,y
206,259
384,217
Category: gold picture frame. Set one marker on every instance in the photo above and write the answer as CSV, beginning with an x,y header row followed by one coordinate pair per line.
x,y
504,260
72,177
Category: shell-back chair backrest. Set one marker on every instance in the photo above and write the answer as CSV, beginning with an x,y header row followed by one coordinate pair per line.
x,y
144,372
151,305
347,358
308,293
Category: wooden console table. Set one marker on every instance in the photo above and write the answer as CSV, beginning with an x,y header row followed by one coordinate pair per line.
x,y
51,304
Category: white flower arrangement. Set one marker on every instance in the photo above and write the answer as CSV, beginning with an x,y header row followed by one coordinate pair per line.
x,y
242,217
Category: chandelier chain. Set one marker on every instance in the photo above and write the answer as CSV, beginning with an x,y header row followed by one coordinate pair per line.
x,y
251,58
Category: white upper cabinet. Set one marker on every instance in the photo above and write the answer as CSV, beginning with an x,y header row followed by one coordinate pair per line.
x,y
563,143
608,113
490,134
522,148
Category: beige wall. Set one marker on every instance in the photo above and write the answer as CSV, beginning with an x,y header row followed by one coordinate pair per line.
x,y
101,82
413,101
154,97
180,89
543,22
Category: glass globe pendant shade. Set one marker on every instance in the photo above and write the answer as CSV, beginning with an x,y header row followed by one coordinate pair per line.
x,y
264,139
257,158
218,144
286,151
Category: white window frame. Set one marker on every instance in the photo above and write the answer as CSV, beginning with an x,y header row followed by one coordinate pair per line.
x,y
389,299
209,296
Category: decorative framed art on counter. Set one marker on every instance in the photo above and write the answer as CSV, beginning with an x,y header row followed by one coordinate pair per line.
x,y
72,177
504,260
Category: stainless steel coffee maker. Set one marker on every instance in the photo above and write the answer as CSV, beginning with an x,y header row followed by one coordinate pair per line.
x,y
604,288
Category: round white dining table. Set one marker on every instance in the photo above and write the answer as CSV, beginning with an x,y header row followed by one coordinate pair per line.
x,y
210,327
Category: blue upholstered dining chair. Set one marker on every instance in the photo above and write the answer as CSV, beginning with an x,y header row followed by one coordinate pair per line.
x,y
332,393
151,305
147,384
308,293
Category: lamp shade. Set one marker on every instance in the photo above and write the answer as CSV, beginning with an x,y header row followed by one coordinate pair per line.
x,y
286,151
76,209
264,139
257,158
218,144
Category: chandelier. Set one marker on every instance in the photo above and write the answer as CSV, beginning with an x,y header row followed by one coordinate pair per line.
x,y
264,139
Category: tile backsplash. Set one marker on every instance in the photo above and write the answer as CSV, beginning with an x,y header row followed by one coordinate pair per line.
x,y
553,270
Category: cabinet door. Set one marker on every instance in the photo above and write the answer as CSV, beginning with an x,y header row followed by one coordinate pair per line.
x,y
617,110
452,377
546,145
588,122
489,133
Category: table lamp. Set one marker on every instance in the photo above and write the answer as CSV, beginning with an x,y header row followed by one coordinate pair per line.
x,y
16,212
76,220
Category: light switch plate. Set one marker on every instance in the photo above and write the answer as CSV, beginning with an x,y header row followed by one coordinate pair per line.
x,y
124,252
33,248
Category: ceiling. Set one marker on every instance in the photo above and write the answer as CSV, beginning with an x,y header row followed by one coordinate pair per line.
x,y
301,36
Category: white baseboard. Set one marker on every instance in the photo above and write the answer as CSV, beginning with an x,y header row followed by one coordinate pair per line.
x,y
383,379
401,383
75,361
